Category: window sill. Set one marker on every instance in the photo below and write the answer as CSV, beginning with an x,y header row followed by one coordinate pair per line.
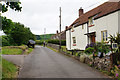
x,y
91,25
74,44
72,31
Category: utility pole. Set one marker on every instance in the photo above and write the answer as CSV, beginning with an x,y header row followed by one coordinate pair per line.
x,y
60,29
44,33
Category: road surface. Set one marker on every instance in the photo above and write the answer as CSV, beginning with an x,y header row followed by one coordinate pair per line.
x,y
45,63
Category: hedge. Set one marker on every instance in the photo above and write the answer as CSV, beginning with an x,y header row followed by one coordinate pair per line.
x,y
63,42
39,42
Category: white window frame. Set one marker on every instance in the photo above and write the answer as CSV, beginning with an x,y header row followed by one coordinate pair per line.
x,y
104,35
74,40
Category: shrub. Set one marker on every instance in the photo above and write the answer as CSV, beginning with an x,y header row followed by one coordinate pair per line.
x,y
77,54
39,42
116,72
97,47
5,41
63,42
90,45
89,50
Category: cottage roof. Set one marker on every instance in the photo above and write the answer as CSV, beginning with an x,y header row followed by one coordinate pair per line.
x,y
100,11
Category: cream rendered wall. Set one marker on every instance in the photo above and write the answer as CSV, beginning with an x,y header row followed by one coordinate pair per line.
x,y
68,40
119,21
92,29
109,23
81,39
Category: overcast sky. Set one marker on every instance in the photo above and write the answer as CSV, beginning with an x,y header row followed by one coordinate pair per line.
x,y
40,14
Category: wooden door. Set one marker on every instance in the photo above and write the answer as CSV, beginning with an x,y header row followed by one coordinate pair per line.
x,y
93,38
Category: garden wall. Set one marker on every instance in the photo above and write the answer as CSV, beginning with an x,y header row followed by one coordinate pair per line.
x,y
98,63
55,46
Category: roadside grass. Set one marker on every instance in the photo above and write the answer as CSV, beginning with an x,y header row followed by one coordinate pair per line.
x,y
52,49
9,70
63,47
28,51
12,51
16,50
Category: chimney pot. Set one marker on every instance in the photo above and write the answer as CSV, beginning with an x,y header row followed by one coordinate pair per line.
x,y
81,11
66,27
57,32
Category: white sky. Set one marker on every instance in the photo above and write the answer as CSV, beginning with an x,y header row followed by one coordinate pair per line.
x,y
40,14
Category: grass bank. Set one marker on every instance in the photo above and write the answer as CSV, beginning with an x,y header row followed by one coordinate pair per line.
x,y
16,50
11,51
9,70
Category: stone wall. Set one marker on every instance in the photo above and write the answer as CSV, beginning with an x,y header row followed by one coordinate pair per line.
x,y
98,63
54,46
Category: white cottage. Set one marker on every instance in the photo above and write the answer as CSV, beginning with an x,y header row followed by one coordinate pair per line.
x,y
94,26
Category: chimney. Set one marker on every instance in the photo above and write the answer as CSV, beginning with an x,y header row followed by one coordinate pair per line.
x,y
57,32
66,27
81,11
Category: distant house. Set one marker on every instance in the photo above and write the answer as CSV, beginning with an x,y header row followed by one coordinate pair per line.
x,y
94,26
57,35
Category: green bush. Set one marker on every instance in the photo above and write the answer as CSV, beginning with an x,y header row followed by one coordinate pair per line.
x,y
39,42
102,47
63,42
77,54
89,50
5,41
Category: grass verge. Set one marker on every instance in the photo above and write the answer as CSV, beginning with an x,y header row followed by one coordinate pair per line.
x,y
28,51
16,50
9,70
52,49
13,51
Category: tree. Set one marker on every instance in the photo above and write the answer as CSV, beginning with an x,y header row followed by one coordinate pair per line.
x,y
7,25
21,34
13,5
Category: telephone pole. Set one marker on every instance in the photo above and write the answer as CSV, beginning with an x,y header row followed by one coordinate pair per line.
x,y
44,33
60,29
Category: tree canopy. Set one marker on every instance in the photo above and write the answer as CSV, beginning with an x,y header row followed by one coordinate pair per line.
x,y
16,32
13,5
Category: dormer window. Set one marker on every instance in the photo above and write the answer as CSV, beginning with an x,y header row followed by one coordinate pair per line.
x,y
73,28
91,21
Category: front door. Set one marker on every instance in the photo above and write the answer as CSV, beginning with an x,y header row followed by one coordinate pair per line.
x,y
92,38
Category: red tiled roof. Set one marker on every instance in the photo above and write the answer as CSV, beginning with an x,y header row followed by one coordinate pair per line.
x,y
104,9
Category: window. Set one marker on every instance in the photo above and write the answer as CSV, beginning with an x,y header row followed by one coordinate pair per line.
x,y
91,21
72,28
74,40
104,35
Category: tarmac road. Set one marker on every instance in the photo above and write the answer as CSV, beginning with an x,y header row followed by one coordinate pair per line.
x,y
45,63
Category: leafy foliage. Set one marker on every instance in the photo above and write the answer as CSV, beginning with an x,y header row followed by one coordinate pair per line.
x,y
116,72
41,37
89,50
39,42
63,42
7,24
8,69
16,33
115,40
98,47
21,34
13,5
